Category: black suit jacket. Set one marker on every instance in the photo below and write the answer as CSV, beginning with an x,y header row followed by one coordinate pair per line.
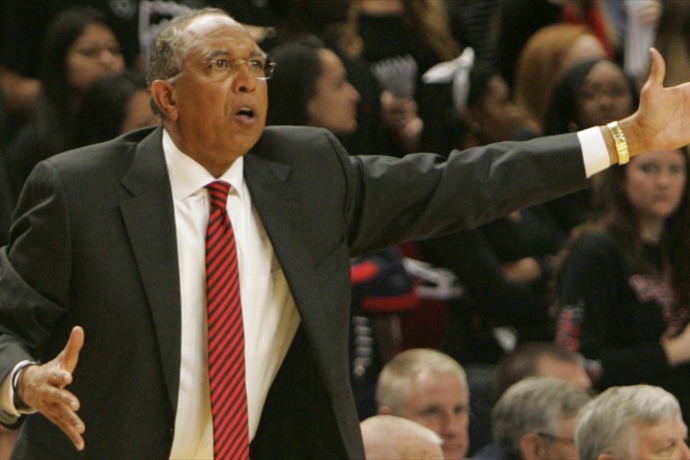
x,y
94,245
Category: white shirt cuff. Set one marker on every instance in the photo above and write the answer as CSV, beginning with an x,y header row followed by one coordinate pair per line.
x,y
594,152
7,392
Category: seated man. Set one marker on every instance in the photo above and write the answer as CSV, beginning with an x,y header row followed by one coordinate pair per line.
x,y
529,359
428,387
387,436
535,419
636,421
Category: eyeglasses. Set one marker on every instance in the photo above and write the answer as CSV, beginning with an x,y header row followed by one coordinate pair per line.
x,y
554,438
260,68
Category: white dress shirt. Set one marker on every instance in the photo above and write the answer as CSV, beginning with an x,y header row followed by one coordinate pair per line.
x,y
269,312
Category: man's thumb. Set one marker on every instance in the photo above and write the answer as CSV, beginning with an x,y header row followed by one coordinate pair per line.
x,y
70,354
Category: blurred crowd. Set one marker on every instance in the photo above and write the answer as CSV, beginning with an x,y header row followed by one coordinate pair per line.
x,y
541,325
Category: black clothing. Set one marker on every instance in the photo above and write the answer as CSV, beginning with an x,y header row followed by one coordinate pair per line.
x,y
612,312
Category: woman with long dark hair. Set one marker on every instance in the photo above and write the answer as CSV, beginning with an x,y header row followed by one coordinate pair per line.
x,y
624,284
79,49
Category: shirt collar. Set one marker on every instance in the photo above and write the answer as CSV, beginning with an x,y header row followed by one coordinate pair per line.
x,y
188,177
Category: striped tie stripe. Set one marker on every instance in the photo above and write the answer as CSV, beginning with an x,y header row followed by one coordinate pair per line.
x,y
226,370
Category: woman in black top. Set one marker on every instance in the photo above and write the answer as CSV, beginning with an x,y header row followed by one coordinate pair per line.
x,y
624,285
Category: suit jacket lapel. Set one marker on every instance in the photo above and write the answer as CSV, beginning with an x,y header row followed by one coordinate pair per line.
x,y
149,218
277,201
278,205
150,222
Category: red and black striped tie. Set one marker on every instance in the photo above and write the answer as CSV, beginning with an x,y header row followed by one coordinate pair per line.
x,y
226,371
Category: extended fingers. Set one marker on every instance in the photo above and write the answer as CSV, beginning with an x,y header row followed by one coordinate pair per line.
x,y
59,405
64,416
44,387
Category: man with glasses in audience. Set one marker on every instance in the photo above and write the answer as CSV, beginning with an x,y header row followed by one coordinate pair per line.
x,y
535,419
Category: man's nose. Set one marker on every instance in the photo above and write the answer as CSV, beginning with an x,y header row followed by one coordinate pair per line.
x,y
243,82
454,423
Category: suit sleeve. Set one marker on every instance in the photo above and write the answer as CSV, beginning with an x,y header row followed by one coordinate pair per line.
x,y
424,195
34,286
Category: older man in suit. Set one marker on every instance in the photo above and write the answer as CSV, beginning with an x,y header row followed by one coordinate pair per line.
x,y
103,327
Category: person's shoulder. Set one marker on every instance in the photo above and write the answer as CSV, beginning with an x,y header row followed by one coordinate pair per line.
x,y
491,451
596,238
287,132
287,139
597,242
104,153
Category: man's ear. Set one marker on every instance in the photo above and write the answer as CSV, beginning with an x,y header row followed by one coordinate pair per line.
x,y
163,95
531,447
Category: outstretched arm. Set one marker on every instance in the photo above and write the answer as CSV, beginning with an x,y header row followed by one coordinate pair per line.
x,y
662,121
43,388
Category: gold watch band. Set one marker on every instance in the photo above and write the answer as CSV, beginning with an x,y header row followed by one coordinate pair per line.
x,y
621,144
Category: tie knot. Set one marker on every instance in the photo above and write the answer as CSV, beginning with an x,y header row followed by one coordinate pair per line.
x,y
218,192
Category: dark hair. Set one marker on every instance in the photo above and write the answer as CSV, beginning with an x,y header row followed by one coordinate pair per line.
x,y
104,107
480,78
563,111
616,216
293,83
444,127
54,108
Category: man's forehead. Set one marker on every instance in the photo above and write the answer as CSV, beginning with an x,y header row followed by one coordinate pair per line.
x,y
217,31
433,379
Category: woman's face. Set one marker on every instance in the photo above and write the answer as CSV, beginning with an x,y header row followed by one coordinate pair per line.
x,y
93,55
334,106
497,115
655,182
605,96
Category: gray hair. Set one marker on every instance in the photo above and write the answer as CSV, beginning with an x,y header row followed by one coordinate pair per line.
x,y
170,50
607,423
534,405
395,379
389,436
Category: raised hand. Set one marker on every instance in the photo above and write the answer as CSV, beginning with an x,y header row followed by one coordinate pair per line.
x,y
43,388
662,122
